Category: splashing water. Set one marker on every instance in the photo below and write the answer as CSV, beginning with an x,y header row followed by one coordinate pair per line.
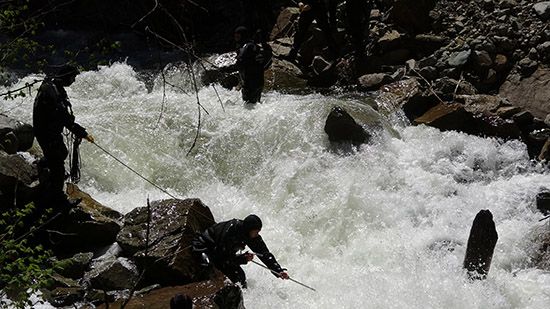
x,y
384,227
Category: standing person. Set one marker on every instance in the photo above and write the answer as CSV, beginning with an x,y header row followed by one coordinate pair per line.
x,y
311,10
358,17
252,60
52,112
219,244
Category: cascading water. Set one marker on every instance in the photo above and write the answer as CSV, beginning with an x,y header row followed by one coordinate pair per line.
x,y
384,227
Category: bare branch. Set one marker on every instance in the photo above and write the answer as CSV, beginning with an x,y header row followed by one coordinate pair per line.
x,y
146,15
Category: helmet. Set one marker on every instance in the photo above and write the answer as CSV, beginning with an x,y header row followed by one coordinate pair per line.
x,y
252,222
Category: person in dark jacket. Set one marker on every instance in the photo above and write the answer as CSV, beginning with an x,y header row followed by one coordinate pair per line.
x,y
311,10
51,113
219,244
252,60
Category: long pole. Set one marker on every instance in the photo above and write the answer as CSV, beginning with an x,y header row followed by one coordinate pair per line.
x,y
295,281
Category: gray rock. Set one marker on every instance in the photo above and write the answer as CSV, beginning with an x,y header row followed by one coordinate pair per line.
x,y
543,202
527,66
542,9
459,58
374,81
22,131
17,174
112,274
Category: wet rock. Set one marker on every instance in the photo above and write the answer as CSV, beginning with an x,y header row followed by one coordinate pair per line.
x,y
393,96
18,179
112,274
323,73
173,226
23,133
75,266
481,245
284,75
542,9
447,117
483,104
413,14
506,112
531,93
341,127
374,81
543,202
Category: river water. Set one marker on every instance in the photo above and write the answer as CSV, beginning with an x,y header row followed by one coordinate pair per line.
x,y
383,227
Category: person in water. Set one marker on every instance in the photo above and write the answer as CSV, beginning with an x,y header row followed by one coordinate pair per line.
x,y
219,244
52,112
253,58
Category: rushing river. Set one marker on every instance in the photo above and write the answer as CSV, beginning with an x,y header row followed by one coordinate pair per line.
x,y
383,227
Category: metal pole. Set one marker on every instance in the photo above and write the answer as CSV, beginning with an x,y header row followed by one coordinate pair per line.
x,y
295,281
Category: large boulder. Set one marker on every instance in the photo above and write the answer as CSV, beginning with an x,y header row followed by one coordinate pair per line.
x,y
341,127
531,93
284,26
15,135
75,266
173,224
18,179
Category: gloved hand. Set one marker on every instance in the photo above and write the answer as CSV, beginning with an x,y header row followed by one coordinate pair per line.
x,y
281,274
249,256
90,138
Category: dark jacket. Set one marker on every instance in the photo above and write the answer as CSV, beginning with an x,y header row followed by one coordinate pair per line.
x,y
52,112
223,240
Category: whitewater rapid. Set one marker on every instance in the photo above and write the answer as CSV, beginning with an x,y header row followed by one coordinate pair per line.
x,y
384,227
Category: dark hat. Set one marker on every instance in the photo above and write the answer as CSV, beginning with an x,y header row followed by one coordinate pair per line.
x,y
243,31
252,222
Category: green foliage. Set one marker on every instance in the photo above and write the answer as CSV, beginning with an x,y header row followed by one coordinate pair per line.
x,y
24,267
19,25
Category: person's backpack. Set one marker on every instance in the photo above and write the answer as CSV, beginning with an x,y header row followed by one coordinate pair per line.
x,y
264,55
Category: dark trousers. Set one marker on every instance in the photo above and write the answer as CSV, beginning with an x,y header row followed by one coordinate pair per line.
x,y
234,272
319,14
252,85
52,169
358,16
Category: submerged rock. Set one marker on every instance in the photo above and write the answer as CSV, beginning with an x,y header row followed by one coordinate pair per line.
x,y
173,226
341,127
